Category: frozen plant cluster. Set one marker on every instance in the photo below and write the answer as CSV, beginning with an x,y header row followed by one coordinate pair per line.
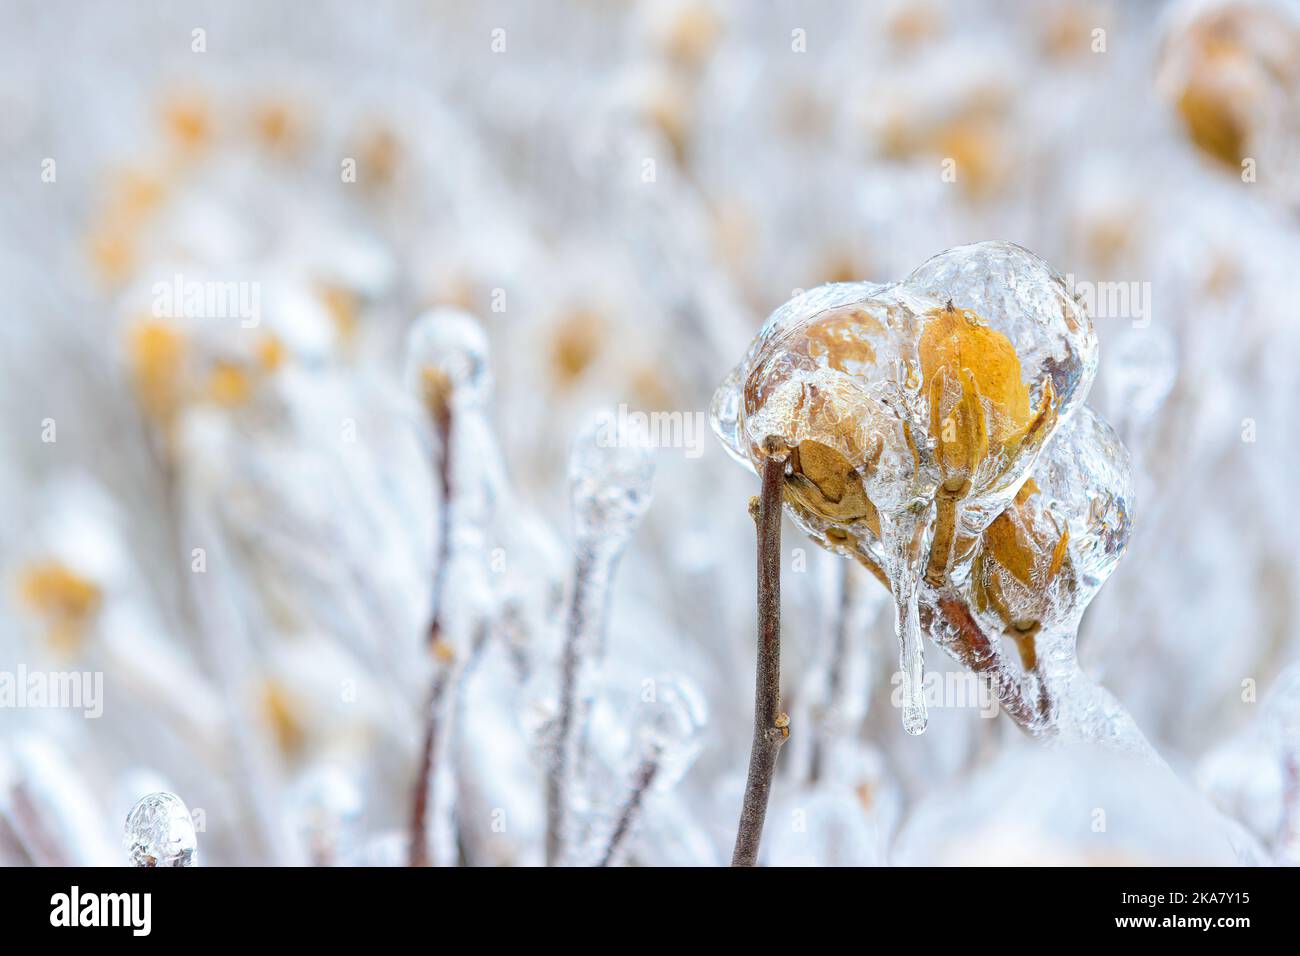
x,y
319,330
935,431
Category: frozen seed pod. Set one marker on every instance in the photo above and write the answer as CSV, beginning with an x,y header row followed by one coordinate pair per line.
x,y
912,412
1008,356
1042,560
160,832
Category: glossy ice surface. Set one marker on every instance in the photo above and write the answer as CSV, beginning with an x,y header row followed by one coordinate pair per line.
x,y
160,832
914,412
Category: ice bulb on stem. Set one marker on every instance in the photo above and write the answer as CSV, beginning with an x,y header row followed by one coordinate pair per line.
x,y
448,370
160,832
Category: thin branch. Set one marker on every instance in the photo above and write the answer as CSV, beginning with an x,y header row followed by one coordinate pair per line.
x,y
557,782
442,425
419,854
771,726
644,777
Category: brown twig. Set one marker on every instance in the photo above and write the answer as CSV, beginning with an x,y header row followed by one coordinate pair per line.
x,y
419,854
645,776
973,649
771,726
442,424
557,778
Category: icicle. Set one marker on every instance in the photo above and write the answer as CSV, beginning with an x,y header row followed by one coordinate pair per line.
x,y
911,658
160,832
902,534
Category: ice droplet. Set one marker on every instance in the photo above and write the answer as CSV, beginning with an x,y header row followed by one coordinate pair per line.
x,y
611,472
160,832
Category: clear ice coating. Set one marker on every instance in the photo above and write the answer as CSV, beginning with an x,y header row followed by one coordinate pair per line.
x,y
905,585
611,473
328,806
160,832
914,412
668,728
1039,564
1282,713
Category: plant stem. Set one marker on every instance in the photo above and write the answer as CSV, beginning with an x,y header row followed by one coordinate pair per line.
x,y
424,779
645,775
419,848
945,526
557,783
442,425
771,727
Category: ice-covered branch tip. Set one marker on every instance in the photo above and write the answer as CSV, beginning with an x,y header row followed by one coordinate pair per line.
x,y
771,726
447,360
450,375
611,474
667,732
160,832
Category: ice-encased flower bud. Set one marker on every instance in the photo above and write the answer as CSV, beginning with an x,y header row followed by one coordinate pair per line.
x,y
160,832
